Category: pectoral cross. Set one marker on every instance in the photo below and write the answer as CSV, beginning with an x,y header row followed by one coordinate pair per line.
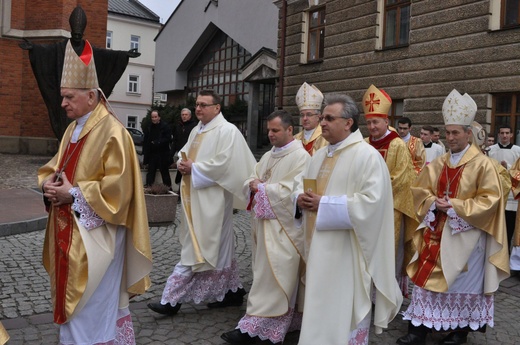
x,y
447,192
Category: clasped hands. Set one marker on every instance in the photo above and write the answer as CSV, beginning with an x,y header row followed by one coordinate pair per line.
x,y
309,201
185,166
57,190
443,204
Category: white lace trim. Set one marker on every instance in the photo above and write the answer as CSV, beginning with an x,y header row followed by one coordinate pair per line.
x,y
87,217
429,218
207,286
125,331
273,329
456,223
262,206
449,310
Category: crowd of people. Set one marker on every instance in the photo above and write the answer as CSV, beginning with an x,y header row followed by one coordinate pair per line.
x,y
341,225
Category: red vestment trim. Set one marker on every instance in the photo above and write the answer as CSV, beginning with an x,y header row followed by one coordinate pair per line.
x,y
383,144
308,146
429,255
63,230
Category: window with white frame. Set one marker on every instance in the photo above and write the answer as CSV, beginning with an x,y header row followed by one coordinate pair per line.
x,y
131,121
109,39
134,42
133,84
504,14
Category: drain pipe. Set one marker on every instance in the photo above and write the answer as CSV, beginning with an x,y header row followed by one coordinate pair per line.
x,y
281,69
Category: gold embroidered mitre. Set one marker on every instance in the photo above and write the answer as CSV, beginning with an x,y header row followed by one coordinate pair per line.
x,y
309,97
79,72
376,102
459,109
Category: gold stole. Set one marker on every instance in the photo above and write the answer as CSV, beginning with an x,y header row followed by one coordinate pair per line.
x,y
412,146
327,166
428,271
186,197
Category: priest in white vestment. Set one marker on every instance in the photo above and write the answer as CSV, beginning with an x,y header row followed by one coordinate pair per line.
x,y
349,233
214,163
461,245
277,243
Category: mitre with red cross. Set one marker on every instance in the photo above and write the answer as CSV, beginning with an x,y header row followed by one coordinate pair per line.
x,y
376,103
79,72
459,109
309,97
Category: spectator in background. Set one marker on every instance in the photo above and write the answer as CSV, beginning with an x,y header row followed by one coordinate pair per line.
x,y
415,145
433,150
181,132
156,149
436,138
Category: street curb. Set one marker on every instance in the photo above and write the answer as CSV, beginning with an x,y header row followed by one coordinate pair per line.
x,y
7,229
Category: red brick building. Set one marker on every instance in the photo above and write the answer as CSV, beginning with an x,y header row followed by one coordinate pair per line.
x,y
24,124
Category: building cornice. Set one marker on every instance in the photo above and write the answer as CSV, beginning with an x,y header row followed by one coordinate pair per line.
x,y
8,32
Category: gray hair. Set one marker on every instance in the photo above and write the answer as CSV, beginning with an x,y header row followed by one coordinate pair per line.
x,y
349,107
186,109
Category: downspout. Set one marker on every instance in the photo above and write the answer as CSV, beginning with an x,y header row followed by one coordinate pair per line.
x,y
281,70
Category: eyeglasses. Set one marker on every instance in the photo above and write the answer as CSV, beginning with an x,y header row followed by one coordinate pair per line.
x,y
308,115
203,105
330,118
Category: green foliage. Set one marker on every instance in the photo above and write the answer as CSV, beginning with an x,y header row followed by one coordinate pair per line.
x,y
235,110
169,114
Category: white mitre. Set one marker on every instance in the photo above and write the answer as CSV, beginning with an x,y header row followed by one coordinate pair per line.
x,y
309,97
459,109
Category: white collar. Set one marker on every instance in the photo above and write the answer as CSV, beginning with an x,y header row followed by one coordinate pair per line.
x,y
387,132
285,147
332,148
80,123
456,157
407,138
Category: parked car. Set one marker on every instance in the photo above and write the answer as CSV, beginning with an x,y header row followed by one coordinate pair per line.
x,y
137,136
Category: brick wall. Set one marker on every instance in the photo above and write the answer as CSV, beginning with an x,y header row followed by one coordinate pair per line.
x,y
22,110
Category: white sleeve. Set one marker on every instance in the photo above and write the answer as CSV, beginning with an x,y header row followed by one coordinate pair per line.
x,y
333,213
200,181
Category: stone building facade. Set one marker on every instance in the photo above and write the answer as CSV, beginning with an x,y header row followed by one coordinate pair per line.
x,y
24,125
418,51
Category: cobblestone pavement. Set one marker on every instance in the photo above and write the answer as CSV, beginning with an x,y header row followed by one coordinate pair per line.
x,y
25,307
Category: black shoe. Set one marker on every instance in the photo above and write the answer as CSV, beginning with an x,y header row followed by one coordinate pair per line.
x,y
416,335
232,299
411,339
236,337
455,338
165,309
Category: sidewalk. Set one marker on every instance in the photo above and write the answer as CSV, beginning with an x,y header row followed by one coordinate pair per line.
x,y
25,307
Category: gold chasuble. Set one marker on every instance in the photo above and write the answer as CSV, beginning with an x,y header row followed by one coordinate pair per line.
x,y
475,190
315,143
418,153
104,165
349,265
402,175
220,153
4,337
